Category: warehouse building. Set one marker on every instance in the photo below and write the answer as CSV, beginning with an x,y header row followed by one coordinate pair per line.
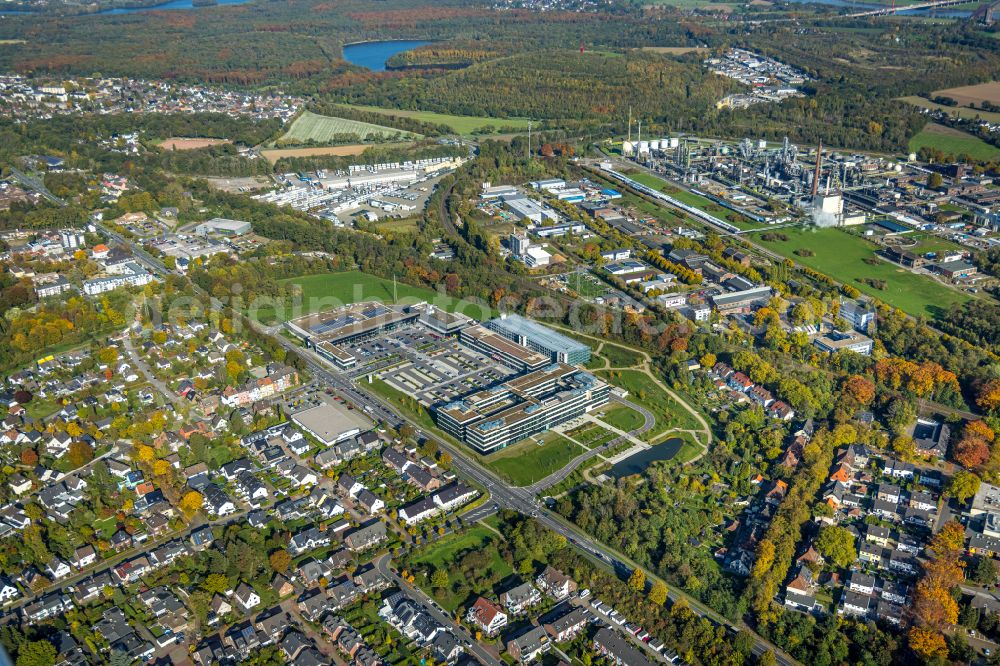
x,y
532,335
494,418
222,227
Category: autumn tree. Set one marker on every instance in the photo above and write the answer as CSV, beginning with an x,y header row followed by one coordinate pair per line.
x,y
837,545
79,453
29,457
658,593
971,451
860,389
280,560
963,485
637,581
927,645
988,395
191,502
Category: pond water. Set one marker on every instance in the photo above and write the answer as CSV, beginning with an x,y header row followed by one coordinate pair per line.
x,y
638,462
373,55
170,4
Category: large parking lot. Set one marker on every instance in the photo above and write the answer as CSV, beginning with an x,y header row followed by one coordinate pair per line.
x,y
426,365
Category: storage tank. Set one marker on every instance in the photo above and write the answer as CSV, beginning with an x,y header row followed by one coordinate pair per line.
x,y
628,148
654,144
643,147
674,142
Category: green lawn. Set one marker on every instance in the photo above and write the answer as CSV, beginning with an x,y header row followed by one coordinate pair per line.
x,y
841,255
953,142
644,391
314,128
622,417
527,462
621,357
402,401
458,124
441,554
325,291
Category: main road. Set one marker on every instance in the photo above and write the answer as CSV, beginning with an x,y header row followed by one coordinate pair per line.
x,y
522,500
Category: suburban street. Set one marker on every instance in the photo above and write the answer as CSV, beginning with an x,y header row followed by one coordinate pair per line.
x,y
506,496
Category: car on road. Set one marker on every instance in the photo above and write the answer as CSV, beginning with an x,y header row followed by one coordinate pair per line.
x,y
584,593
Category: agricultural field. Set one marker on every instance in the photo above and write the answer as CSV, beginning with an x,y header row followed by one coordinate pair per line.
x,y
674,50
327,290
841,255
527,462
958,111
314,128
976,94
953,142
458,124
272,155
190,143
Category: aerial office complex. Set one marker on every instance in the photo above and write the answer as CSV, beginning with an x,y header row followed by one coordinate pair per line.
x,y
527,333
493,418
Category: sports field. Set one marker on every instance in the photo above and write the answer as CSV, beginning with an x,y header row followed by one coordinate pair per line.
x,y
324,129
458,124
329,290
953,142
841,255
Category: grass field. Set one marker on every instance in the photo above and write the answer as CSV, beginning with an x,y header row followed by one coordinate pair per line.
x,y
958,111
329,290
619,357
643,391
841,255
621,417
674,50
953,142
526,462
189,143
312,127
441,555
458,124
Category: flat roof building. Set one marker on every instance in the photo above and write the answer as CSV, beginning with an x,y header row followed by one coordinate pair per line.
x,y
502,349
494,418
836,341
328,332
530,334
223,227
331,423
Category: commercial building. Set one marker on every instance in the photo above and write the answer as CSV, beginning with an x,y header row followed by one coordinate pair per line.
x,y
493,418
501,349
858,314
524,208
331,423
530,334
129,274
327,332
222,227
741,301
836,341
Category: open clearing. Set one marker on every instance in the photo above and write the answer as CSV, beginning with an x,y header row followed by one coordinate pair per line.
x,y
957,111
527,462
272,155
674,50
324,291
977,94
954,142
312,127
841,255
458,124
190,143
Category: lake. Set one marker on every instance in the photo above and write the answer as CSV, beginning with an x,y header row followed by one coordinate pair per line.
x,y
372,55
638,462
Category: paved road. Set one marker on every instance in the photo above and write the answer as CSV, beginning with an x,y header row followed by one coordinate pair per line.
x,y
557,477
522,500
147,373
417,595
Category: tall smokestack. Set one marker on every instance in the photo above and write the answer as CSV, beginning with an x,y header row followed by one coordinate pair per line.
x,y
819,164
